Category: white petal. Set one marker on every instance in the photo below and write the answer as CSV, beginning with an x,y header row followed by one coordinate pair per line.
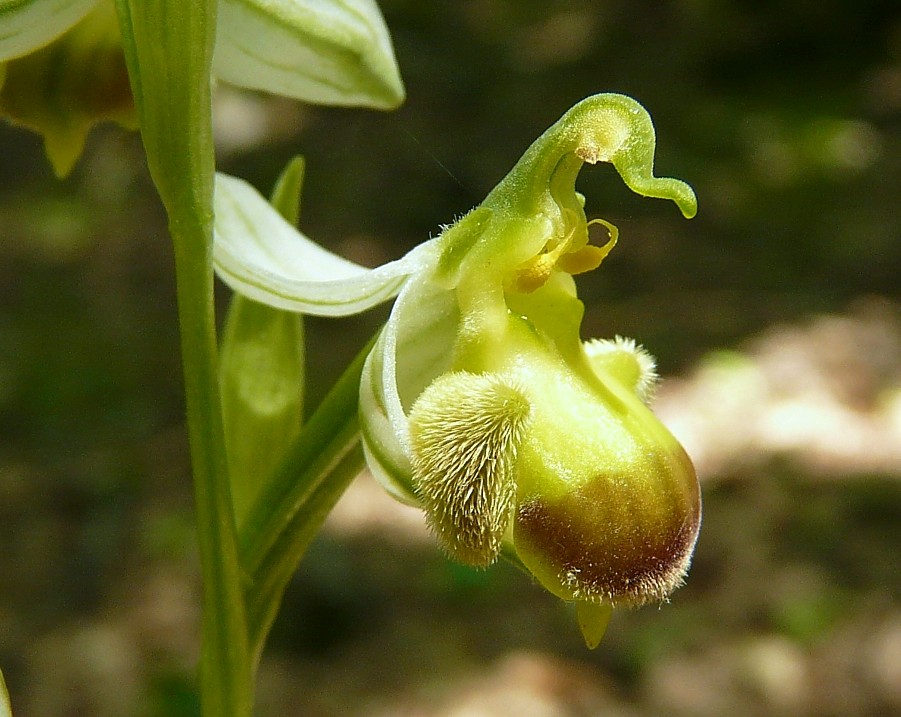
x,y
415,347
334,52
28,26
260,255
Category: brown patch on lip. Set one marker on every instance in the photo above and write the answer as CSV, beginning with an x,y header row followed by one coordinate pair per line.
x,y
627,540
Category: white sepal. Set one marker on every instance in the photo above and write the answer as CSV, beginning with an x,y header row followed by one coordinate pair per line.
x,y
416,346
260,255
335,52
28,26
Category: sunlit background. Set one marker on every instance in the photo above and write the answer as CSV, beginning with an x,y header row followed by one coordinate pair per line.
x,y
775,315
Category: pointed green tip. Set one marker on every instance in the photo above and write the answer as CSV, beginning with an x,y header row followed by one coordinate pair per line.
x,y
593,620
684,197
286,193
636,171
63,148
640,181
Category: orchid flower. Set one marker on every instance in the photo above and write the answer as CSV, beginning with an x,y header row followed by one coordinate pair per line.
x,y
62,67
479,402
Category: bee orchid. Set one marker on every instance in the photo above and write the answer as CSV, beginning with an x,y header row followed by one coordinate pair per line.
x,y
480,403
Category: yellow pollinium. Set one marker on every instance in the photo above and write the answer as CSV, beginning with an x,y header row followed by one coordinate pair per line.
x,y
534,273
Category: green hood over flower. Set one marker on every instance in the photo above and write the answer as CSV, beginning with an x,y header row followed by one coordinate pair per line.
x,y
480,403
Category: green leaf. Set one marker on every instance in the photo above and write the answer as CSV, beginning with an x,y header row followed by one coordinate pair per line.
x,y
26,25
334,52
260,255
262,393
291,509
262,375
285,197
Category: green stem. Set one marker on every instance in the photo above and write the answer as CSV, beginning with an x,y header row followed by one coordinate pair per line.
x,y
287,515
168,47
226,675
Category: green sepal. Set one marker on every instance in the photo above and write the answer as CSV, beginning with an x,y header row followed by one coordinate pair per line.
x,y
593,619
262,375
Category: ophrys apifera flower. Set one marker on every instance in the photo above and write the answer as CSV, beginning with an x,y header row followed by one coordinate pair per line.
x,y
480,403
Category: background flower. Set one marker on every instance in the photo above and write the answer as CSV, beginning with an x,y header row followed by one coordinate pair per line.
x,y
64,70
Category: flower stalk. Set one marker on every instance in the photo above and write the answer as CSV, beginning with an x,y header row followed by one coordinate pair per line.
x,y
168,47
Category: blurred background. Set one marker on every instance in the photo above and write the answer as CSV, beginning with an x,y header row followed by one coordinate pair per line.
x,y
775,315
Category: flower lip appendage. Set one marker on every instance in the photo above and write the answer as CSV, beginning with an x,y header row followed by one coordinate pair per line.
x,y
481,404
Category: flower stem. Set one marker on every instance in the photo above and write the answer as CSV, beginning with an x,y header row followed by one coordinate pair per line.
x,y
226,683
168,47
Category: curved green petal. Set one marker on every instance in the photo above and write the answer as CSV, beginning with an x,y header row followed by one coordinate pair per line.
x,y
27,25
335,52
601,128
260,255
